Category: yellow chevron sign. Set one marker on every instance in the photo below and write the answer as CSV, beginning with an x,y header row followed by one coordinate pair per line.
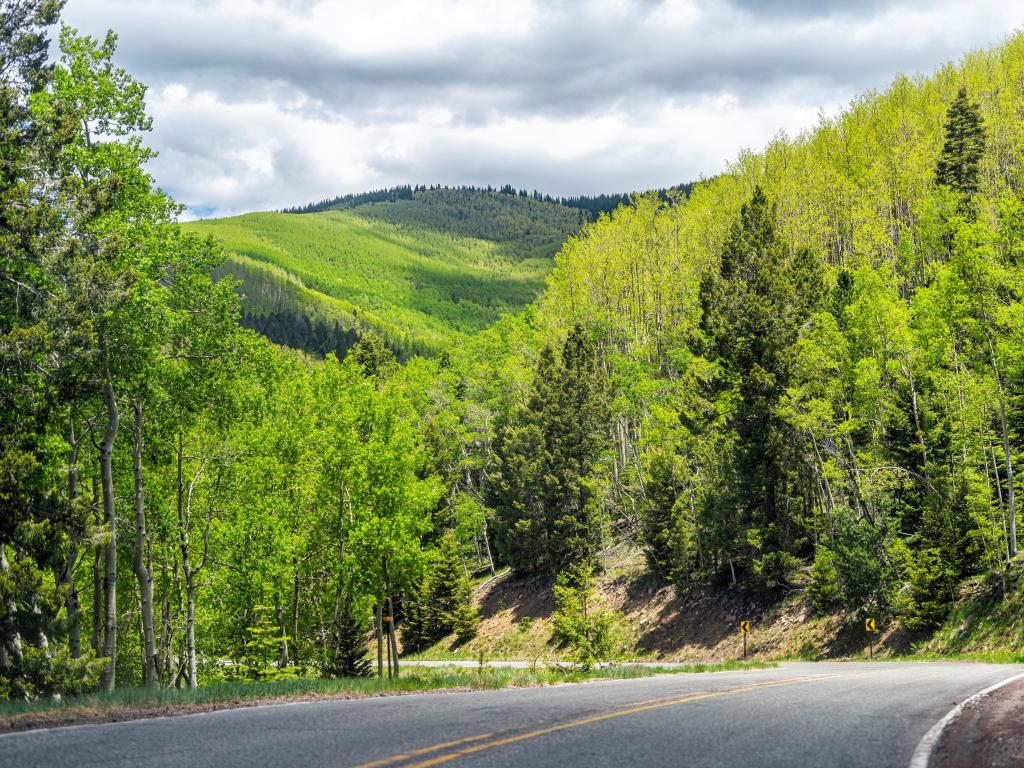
x,y
869,625
744,627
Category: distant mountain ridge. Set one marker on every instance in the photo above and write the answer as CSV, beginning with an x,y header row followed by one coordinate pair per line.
x,y
594,205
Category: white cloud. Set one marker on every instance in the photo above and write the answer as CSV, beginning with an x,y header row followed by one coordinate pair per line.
x,y
267,103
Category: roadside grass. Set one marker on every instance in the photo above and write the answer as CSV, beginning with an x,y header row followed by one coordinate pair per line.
x,y
128,703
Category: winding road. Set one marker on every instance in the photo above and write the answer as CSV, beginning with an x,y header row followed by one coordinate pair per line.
x,y
800,714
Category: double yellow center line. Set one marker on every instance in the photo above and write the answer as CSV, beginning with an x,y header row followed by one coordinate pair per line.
x,y
473,744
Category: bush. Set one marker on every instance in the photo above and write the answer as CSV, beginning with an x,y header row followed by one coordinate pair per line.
x,y
824,588
930,595
775,568
49,672
589,633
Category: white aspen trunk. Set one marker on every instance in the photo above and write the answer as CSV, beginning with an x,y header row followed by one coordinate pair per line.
x,y
392,640
380,640
487,547
97,582
67,577
999,496
110,519
190,629
143,572
1009,478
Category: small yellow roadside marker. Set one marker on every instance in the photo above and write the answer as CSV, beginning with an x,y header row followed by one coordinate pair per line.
x,y
744,627
869,625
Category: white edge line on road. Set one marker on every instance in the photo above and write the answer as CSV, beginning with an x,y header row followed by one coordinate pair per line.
x,y
923,754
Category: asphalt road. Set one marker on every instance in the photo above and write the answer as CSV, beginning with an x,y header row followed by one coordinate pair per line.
x,y
826,714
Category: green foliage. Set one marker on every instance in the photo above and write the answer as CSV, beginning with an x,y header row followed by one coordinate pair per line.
x,y
44,672
261,652
443,603
930,590
590,633
546,516
345,654
420,276
963,147
523,227
824,589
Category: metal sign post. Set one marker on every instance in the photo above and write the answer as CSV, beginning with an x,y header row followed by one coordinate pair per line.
x,y
745,629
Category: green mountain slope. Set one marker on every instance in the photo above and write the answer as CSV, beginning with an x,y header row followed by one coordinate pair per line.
x,y
420,272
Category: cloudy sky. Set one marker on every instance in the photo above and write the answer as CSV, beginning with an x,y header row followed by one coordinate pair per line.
x,y
261,104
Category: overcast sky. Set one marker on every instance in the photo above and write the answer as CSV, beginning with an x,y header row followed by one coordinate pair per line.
x,y
261,104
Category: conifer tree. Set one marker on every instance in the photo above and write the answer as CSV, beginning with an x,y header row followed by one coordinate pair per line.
x,y
346,646
753,309
963,147
545,516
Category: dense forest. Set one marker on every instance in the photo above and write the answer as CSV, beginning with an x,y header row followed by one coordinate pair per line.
x,y
805,375
592,205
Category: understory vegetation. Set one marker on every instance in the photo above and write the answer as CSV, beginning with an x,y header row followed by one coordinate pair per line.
x,y
805,375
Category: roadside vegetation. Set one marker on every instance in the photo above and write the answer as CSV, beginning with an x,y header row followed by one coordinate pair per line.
x,y
798,388
130,703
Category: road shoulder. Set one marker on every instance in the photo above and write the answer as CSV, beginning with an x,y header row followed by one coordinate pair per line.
x,y
987,731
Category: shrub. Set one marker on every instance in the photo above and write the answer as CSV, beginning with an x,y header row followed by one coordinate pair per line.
x,y
589,633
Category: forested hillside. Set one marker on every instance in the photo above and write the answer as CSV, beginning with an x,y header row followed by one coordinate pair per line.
x,y
318,282
592,206
420,272
807,376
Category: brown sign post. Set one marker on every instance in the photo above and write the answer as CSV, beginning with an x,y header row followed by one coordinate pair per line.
x,y
745,629
871,629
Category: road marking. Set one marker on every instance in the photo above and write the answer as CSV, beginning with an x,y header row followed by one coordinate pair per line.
x,y
424,751
923,754
630,710
446,744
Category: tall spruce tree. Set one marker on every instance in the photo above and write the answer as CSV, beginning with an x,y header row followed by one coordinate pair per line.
x,y
963,147
546,518
752,311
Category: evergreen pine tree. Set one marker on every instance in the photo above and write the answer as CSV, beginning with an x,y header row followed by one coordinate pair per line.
x,y
963,147
544,512
753,310
346,646
372,354
452,593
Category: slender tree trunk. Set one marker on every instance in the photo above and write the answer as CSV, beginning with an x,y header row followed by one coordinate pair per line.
x,y
392,640
143,571
97,580
165,629
110,519
71,603
999,496
487,547
1009,477
295,614
282,657
190,629
380,641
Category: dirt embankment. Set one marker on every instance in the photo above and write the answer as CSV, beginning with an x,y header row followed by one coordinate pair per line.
x,y
698,623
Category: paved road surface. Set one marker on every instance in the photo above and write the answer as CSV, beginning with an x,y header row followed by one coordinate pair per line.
x,y
827,714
